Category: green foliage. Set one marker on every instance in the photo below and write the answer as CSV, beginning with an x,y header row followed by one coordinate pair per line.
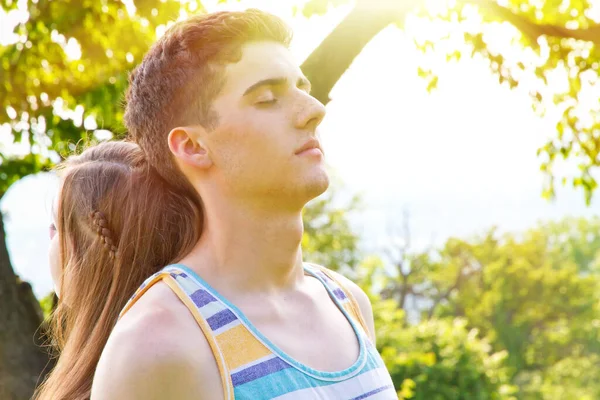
x,y
572,378
535,298
497,311
527,45
529,294
434,359
47,304
328,239
541,56
16,168
320,7
447,361
574,240
70,62
504,316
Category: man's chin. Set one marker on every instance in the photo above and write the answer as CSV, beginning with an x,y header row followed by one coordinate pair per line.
x,y
317,186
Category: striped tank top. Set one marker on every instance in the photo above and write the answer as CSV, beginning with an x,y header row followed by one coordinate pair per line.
x,y
252,367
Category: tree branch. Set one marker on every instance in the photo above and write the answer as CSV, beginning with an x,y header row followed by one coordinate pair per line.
x,y
365,21
464,273
339,49
535,30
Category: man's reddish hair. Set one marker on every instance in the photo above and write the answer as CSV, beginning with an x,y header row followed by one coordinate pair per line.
x,y
181,75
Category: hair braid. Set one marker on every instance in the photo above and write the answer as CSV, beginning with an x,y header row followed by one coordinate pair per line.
x,y
101,227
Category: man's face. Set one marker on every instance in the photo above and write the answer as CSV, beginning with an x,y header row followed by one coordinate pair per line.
x,y
266,115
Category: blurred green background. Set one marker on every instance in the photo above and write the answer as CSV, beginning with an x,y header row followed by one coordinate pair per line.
x,y
464,141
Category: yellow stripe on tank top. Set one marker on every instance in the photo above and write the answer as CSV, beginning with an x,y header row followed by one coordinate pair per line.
x,y
240,338
139,294
219,356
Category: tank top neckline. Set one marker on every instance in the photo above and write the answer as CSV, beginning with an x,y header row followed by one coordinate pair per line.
x,y
323,375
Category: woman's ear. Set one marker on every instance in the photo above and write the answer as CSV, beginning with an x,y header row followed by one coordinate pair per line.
x,y
186,145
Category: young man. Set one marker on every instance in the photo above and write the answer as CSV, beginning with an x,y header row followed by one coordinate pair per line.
x,y
225,115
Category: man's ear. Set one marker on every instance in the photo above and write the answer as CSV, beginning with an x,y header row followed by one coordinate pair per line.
x,y
186,144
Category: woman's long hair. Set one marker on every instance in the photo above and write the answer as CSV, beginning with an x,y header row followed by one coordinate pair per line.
x,y
118,222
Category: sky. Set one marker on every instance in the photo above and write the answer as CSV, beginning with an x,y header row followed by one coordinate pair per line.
x,y
458,161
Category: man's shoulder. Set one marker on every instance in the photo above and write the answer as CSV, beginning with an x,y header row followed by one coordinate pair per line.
x,y
155,348
356,291
152,320
364,303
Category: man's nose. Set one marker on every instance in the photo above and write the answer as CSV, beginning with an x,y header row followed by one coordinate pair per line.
x,y
310,114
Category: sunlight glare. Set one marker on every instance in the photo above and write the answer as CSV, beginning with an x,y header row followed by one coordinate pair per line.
x,y
8,22
72,49
129,6
593,12
438,7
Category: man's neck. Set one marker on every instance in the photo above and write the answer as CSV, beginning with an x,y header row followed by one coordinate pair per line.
x,y
246,249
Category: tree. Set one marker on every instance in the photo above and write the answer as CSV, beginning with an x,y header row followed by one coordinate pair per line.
x,y
36,70
328,238
534,295
63,77
434,359
22,359
66,72
550,49
572,378
46,95
573,239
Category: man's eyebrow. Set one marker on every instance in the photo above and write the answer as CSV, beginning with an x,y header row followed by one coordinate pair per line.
x,y
266,82
302,82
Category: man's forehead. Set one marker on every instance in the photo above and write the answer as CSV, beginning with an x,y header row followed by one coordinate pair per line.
x,y
262,60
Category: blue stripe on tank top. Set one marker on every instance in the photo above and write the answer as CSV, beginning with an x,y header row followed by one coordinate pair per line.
x,y
201,298
258,371
373,392
339,293
275,384
221,319
287,380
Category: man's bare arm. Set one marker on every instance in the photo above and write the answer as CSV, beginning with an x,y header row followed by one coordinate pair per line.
x,y
154,353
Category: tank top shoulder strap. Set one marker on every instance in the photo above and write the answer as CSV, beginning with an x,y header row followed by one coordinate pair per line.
x,y
340,292
147,284
210,315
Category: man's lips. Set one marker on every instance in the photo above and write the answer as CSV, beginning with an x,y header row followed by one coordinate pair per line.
x,y
312,145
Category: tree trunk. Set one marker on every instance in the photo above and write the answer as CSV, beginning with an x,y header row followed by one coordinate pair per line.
x,y
22,360
328,62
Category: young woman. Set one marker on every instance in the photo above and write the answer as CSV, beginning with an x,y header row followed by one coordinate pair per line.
x,y
116,222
